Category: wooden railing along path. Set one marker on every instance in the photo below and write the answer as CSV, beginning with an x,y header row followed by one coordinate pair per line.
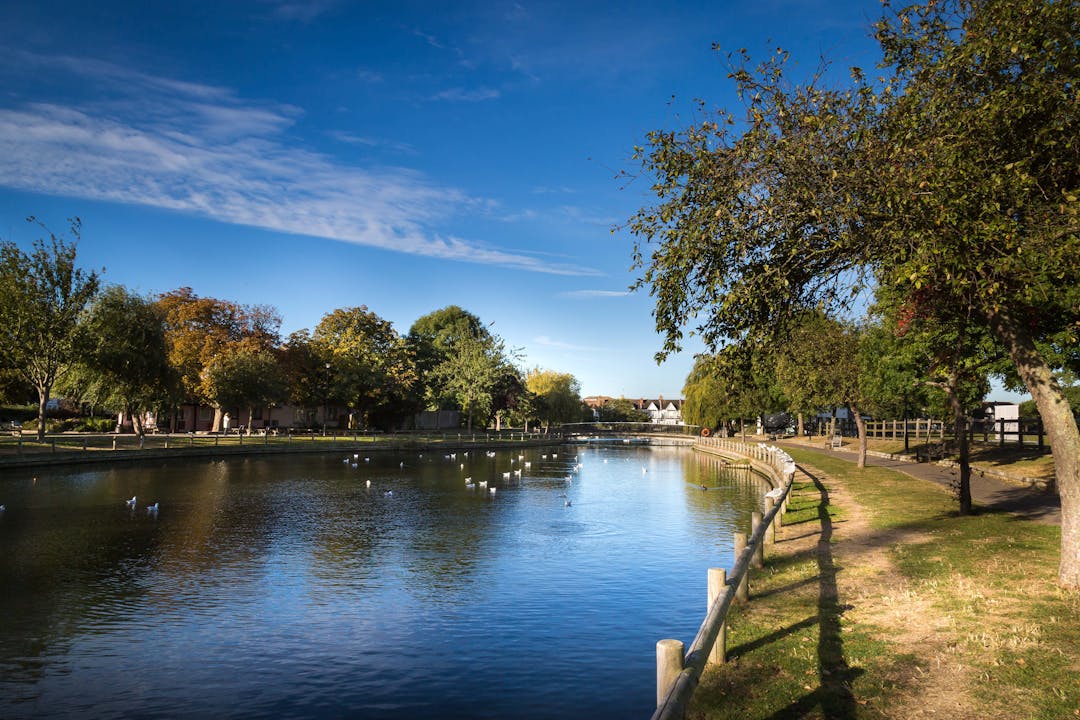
x,y
679,670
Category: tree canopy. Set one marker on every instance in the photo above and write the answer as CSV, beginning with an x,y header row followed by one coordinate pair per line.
x,y
955,181
42,296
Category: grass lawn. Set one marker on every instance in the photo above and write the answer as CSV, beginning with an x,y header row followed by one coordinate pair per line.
x,y
877,601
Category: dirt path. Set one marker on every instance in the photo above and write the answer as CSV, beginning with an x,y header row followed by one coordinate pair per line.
x,y
871,595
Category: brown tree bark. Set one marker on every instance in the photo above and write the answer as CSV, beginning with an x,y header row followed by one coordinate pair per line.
x,y
960,431
860,425
1061,431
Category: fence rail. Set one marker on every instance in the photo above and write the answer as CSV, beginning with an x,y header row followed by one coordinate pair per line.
x,y
678,670
18,447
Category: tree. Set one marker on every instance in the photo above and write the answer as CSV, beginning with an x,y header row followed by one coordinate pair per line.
x,y
622,410
245,376
704,394
42,295
822,192
819,368
470,373
433,338
304,370
557,396
123,362
371,367
988,218
199,330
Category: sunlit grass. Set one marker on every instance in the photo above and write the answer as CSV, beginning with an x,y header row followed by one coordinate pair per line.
x,y
826,632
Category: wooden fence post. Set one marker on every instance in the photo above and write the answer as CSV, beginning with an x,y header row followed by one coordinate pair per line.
x,y
770,532
758,560
669,663
717,584
742,593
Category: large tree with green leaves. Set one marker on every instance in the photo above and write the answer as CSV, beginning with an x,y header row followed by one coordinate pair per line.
x,y
981,177
123,362
956,180
42,296
433,338
246,377
818,368
470,373
372,369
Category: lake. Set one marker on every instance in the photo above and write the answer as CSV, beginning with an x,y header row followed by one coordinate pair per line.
x,y
289,587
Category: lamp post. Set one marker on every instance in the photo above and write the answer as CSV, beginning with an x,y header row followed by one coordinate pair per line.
x,y
326,400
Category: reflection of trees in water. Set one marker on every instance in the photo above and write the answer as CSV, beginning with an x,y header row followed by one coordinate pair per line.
x,y
71,558
742,488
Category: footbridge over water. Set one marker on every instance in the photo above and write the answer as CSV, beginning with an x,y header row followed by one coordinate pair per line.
x,y
630,433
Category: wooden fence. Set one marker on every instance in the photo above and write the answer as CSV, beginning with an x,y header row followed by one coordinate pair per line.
x,y
678,670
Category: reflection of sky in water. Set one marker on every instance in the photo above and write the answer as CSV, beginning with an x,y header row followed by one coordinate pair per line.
x,y
287,587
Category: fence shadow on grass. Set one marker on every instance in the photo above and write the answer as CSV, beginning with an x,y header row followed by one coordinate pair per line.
x,y
835,676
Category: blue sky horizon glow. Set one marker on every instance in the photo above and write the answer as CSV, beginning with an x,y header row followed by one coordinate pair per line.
x,y
316,154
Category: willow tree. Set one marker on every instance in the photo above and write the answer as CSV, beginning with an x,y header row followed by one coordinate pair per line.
x,y
123,362
957,177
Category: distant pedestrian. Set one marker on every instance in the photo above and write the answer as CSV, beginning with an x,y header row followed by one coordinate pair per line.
x,y
225,423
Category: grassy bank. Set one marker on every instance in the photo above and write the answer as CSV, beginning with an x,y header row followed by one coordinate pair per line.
x,y
878,602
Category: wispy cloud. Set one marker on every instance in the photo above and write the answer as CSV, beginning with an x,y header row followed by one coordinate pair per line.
x,y
458,94
350,139
302,10
545,341
202,150
588,294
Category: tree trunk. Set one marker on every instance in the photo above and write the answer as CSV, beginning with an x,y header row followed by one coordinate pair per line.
x,y
960,431
860,425
802,427
1062,433
251,417
43,400
136,421
218,414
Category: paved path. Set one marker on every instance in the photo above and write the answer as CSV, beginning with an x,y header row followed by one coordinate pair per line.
x,y
988,493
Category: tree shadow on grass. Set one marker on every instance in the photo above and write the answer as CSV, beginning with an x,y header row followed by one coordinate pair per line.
x,y
833,694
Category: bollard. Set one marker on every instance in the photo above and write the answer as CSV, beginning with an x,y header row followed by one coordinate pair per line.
x,y
717,583
114,443
166,443
241,436
669,663
742,593
191,440
770,532
758,560
215,441
776,525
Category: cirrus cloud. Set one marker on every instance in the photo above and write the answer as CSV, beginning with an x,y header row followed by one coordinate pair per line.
x,y
200,149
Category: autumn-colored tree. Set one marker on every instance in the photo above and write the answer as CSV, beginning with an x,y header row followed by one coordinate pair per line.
x,y
201,330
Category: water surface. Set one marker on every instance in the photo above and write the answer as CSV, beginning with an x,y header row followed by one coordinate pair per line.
x,y
287,586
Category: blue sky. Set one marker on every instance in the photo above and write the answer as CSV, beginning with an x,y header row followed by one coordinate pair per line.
x,y
315,154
